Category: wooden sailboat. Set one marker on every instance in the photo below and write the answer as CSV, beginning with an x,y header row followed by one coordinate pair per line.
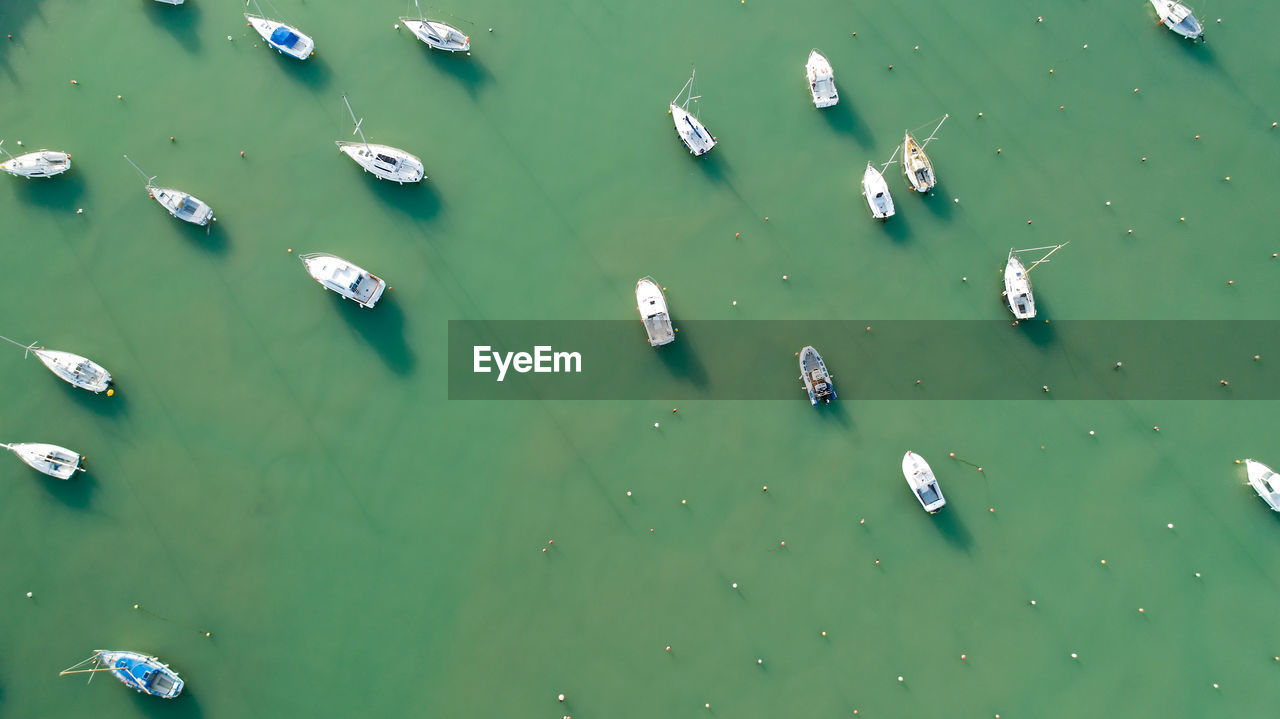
x,y
382,161
1017,286
55,461
916,164
72,368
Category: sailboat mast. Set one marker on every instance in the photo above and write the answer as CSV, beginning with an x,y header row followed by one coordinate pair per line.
x,y
255,4
1046,257
140,172
4,150
356,122
935,130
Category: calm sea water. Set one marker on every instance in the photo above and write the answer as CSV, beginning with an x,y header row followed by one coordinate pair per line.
x,y
283,470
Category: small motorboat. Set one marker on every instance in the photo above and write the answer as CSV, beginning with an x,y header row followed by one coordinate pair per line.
x,y
41,163
51,459
1265,482
181,205
876,190
383,161
652,305
814,375
922,482
692,132
348,280
437,35
286,39
140,672
822,81
1017,285
1178,18
74,369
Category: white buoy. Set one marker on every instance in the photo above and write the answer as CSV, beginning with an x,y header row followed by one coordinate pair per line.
x,y
30,595
561,697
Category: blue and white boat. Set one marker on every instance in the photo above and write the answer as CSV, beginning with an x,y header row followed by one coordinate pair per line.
x,y
286,39
1178,18
814,375
41,163
140,672
923,484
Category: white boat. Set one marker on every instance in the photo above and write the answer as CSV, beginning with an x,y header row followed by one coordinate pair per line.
x,y
1178,18
348,280
916,164
922,482
181,205
813,373
51,459
141,672
41,163
1017,285
876,190
822,81
383,161
171,2
79,371
1265,482
437,35
286,39
692,132
652,305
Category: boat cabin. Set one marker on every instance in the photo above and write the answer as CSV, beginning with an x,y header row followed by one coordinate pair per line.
x,y
284,37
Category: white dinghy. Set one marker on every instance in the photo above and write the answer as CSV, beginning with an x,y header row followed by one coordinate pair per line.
x,y
348,280
188,208
437,35
74,369
1265,482
286,39
170,2
1178,18
876,190
692,132
822,81
652,305
916,164
41,163
1017,286
51,459
383,161
922,482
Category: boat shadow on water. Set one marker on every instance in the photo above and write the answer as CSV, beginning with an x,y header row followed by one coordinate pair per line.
x,y
1039,330
681,360
420,201
895,228
211,238
185,706
112,407
470,72
62,193
952,529
75,492
843,119
383,329
938,202
182,22
313,72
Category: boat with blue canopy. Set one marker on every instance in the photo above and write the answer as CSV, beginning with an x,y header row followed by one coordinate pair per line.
x,y
286,39
1179,18
140,672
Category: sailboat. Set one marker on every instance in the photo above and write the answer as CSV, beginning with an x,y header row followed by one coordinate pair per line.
x,y
1265,482
876,190
50,459
652,305
286,39
813,373
171,2
41,163
915,163
385,162
822,81
691,130
74,369
1178,18
188,208
923,484
348,280
437,35
140,672
1017,286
